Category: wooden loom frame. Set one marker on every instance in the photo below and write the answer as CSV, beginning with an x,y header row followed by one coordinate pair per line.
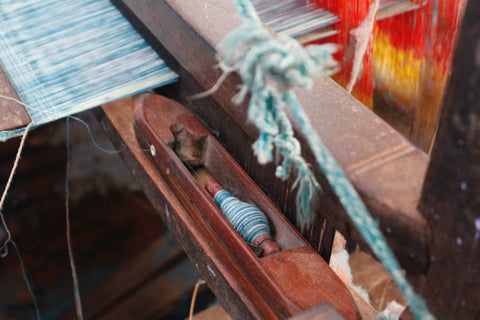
x,y
371,151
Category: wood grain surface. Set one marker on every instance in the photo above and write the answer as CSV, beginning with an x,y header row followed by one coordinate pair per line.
x,y
12,114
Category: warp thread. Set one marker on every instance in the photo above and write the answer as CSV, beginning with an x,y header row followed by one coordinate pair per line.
x,y
89,56
270,67
245,49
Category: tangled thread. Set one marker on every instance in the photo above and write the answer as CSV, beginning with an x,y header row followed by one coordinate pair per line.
x,y
270,68
279,65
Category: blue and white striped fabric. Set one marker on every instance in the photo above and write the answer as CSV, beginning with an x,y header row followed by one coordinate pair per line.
x,y
65,56
247,219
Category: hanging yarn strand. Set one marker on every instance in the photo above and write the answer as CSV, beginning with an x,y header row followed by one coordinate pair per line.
x,y
9,240
270,69
76,287
362,35
9,183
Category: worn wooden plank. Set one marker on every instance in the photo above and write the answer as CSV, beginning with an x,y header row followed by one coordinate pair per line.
x,y
12,114
380,162
451,196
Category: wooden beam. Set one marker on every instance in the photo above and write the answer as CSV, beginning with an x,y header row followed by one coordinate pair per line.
x,y
451,196
157,297
385,168
12,114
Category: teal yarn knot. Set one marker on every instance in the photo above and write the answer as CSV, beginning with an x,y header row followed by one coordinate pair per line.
x,y
270,67
245,218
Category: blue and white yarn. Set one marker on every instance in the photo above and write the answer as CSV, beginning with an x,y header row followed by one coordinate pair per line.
x,y
270,69
245,218
65,56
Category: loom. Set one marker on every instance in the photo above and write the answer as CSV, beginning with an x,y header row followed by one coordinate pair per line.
x,y
370,152
63,57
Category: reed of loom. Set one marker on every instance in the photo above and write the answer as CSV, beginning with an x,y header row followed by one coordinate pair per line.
x,y
412,58
407,59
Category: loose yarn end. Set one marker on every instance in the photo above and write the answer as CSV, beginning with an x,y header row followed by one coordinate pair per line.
x,y
269,68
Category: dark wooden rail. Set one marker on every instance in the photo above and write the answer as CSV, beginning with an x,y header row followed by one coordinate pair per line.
x,y
451,197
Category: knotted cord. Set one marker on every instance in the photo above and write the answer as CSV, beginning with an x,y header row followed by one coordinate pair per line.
x,y
270,68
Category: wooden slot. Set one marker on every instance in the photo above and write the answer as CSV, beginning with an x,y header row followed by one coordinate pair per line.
x,y
290,281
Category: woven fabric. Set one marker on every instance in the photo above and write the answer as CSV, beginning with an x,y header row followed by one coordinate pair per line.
x,y
65,56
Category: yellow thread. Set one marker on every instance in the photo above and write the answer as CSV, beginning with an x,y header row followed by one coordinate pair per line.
x,y
194,297
397,71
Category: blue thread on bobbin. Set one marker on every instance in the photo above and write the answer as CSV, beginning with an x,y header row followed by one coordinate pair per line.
x,y
247,219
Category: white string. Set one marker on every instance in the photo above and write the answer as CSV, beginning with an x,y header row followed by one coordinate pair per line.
x,y
7,187
14,100
226,72
362,36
